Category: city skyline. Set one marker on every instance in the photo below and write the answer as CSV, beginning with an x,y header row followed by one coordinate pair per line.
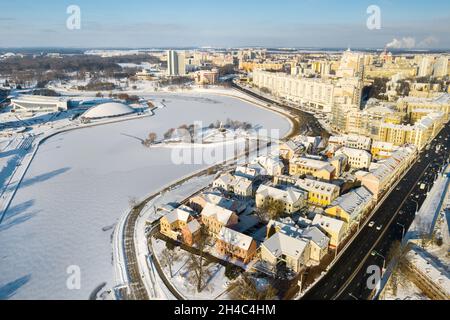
x,y
315,24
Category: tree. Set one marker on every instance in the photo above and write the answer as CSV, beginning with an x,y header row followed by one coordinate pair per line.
x,y
270,210
397,252
265,90
133,202
150,139
168,258
169,133
196,264
245,288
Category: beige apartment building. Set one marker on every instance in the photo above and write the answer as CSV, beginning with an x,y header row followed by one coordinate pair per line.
x,y
320,94
380,179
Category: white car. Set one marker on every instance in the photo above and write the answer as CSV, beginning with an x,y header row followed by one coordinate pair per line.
x,y
371,224
379,227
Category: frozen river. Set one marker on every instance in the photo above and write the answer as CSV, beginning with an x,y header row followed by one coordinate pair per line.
x,y
80,183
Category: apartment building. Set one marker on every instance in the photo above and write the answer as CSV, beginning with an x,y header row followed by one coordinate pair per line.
x,y
236,245
214,218
317,168
357,158
319,193
281,248
351,206
351,141
240,186
383,150
292,199
320,94
379,180
418,134
173,222
335,229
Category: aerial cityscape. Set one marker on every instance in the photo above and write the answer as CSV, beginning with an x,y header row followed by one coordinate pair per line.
x,y
213,154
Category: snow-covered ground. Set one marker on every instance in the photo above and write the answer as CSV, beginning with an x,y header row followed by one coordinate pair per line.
x,y
80,183
424,222
216,283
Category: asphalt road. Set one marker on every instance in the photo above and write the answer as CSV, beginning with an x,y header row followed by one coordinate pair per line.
x,y
347,278
303,121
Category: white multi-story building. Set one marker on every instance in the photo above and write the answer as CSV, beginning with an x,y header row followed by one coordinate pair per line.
x,y
440,68
176,63
29,103
426,66
352,141
358,159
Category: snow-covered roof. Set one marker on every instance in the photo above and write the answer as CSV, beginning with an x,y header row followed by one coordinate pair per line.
x,y
229,204
193,226
317,186
238,182
355,153
430,267
354,201
317,236
109,109
312,163
441,99
282,244
328,223
235,238
220,214
289,195
180,214
389,166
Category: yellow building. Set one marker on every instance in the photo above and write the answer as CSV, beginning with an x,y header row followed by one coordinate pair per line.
x,y
382,150
173,222
351,206
317,168
335,229
319,193
250,66
418,134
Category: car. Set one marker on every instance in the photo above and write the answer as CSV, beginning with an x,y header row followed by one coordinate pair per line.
x,y
371,224
379,227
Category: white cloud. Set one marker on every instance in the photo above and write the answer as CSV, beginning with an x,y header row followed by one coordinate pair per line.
x,y
428,42
403,43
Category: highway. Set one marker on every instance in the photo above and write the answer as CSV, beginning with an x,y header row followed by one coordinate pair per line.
x,y
347,278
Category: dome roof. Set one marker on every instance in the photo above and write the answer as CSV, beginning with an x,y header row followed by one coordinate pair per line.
x,y
109,109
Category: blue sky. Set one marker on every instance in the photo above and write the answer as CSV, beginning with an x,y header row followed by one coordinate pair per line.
x,y
176,23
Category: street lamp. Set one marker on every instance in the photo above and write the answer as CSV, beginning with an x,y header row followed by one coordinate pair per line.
x,y
417,205
403,229
375,253
351,295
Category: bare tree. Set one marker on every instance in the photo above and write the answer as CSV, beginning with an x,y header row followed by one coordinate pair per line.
x,y
133,202
245,288
197,263
270,210
150,139
397,252
168,258
169,133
